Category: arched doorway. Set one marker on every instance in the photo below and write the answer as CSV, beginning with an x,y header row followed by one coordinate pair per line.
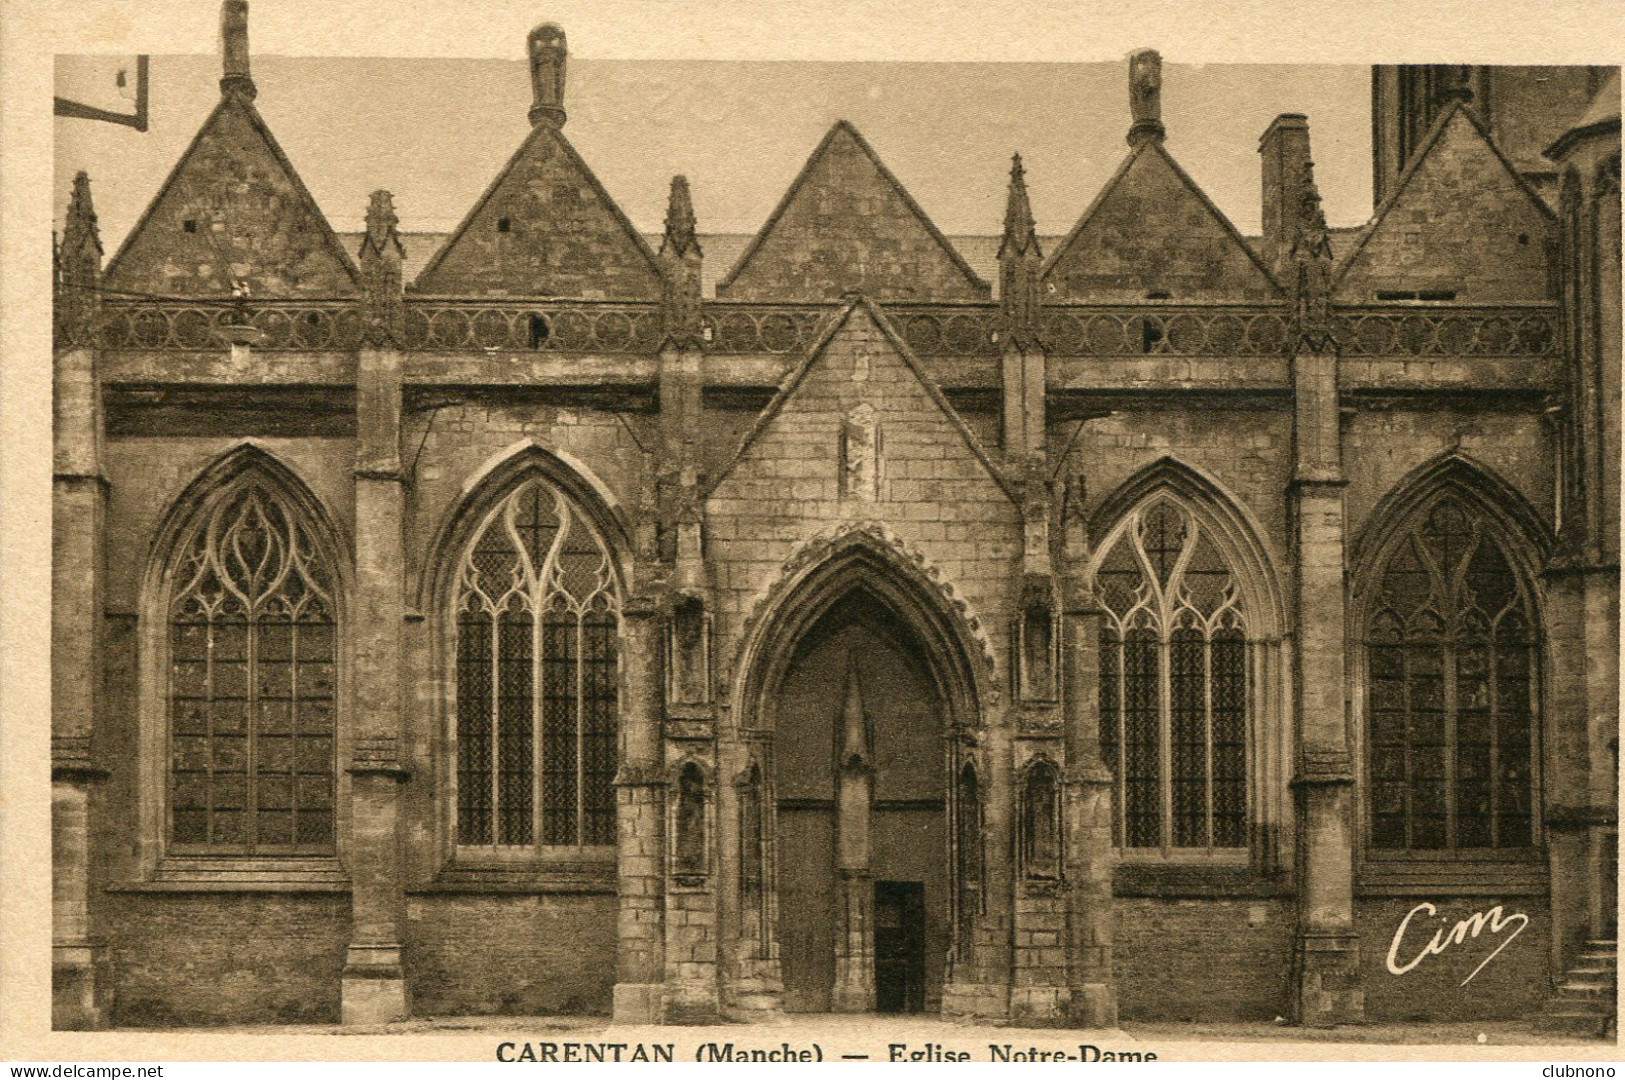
x,y
861,758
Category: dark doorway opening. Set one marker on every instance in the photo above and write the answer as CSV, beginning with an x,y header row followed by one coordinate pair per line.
x,y
906,815
899,946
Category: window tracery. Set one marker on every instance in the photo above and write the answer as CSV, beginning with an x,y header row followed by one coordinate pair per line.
x,y
1450,684
1173,685
252,682
537,619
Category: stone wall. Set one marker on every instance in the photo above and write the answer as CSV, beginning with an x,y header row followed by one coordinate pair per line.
x,y
1462,223
1150,232
546,229
1245,447
1382,445
233,212
196,959
452,444
1203,959
510,954
847,225
932,491
1510,986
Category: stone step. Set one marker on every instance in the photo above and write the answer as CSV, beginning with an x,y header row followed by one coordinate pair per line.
x,y
1584,1002
1588,988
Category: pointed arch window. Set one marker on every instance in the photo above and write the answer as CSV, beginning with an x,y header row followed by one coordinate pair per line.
x,y
537,622
1173,684
1450,685
252,632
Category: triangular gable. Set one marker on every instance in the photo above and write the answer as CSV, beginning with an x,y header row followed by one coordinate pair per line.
x,y
1461,220
860,308
1152,230
847,225
233,213
545,227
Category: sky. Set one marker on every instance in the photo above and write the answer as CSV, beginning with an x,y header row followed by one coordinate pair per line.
x,y
436,131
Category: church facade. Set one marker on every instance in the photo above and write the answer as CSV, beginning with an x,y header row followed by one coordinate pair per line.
x,y
1166,624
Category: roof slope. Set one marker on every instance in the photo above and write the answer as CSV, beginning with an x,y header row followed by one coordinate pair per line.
x,y
1600,117
847,225
1152,229
233,213
545,227
1460,220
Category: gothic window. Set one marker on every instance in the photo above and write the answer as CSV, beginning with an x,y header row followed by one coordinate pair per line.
x,y
1173,685
1450,690
536,623
252,687
968,853
1041,823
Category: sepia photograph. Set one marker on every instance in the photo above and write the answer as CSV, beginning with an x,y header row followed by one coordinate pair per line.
x,y
770,559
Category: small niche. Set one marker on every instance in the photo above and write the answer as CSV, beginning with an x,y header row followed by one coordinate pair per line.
x,y
689,659
1041,823
691,838
1035,640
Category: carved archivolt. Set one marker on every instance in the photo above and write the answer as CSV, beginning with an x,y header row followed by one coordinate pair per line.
x,y
905,563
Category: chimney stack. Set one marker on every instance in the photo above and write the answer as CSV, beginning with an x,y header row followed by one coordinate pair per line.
x,y
1455,83
1145,97
234,49
1285,150
547,55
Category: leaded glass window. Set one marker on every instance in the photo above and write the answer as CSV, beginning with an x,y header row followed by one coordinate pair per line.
x,y
536,623
1449,690
1173,685
252,688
